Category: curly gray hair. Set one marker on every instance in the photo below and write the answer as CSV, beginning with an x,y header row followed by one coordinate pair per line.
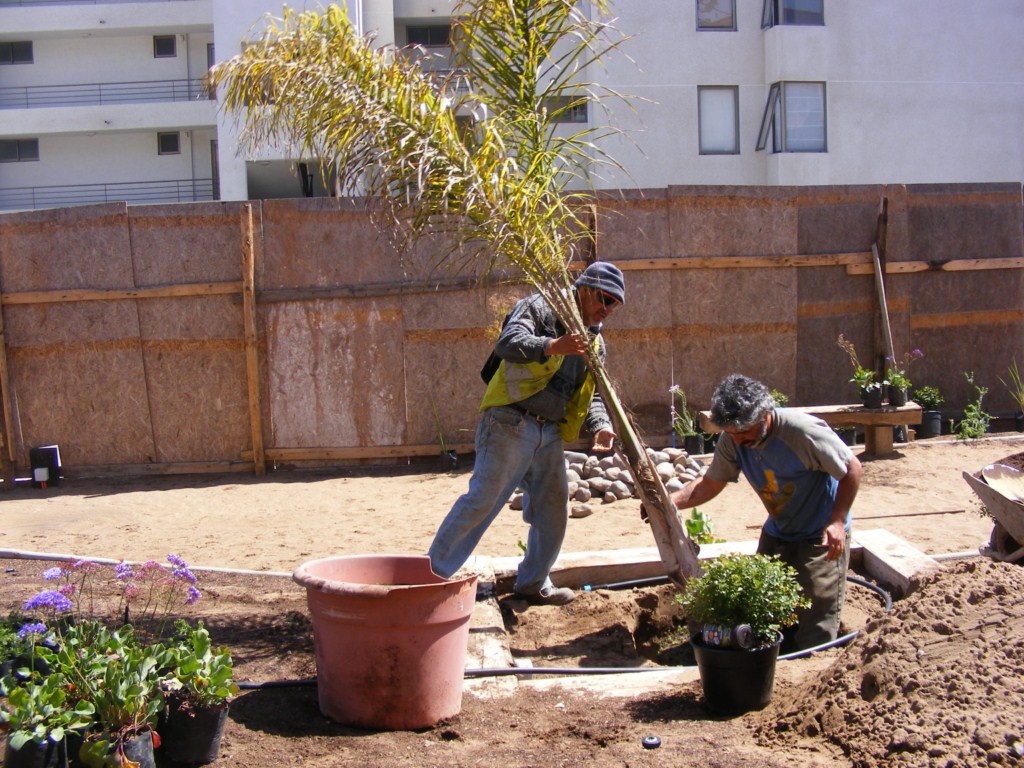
x,y
739,402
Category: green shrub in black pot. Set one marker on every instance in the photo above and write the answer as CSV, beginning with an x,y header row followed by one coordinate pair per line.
x,y
741,602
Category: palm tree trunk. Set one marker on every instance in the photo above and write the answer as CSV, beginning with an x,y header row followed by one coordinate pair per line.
x,y
678,552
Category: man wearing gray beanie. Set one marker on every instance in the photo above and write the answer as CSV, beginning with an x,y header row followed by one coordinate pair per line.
x,y
539,395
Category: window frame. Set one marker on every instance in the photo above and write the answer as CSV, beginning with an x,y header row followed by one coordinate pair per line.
x,y
10,48
732,26
775,118
735,90
429,28
568,110
163,135
773,14
19,146
157,39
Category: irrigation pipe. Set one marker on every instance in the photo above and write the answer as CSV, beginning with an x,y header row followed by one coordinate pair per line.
x,y
575,671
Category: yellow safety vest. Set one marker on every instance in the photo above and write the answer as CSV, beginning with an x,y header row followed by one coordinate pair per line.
x,y
513,382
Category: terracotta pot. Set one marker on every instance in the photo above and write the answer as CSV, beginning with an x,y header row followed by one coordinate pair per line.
x,y
390,638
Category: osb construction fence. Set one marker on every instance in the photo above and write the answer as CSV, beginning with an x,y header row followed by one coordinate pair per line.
x,y
246,336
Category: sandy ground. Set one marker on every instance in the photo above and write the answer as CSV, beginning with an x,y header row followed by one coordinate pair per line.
x,y
276,522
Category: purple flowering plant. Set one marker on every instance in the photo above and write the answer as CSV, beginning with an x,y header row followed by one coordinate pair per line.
x,y
105,670
146,594
897,376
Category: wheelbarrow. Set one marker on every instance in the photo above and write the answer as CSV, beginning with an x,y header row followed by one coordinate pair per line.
x,y
1001,489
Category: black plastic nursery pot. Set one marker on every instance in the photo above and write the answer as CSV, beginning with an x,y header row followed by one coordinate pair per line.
x,y
736,680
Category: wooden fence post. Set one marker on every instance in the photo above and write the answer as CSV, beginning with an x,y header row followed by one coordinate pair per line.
x,y
252,365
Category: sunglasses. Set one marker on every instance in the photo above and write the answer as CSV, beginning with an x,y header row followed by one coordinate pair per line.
x,y
606,299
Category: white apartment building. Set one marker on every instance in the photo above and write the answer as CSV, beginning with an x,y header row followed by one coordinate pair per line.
x,y
103,101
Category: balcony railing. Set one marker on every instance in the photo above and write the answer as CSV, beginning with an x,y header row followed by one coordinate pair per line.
x,y
133,193
84,94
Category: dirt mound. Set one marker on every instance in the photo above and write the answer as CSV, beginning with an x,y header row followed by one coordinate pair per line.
x,y
935,682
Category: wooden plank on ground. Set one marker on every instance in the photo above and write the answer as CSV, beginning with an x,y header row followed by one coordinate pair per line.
x,y
893,560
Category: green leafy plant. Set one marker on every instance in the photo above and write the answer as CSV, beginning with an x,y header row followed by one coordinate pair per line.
x,y
683,422
757,590
1015,386
111,674
196,674
40,712
897,377
700,528
110,678
781,398
14,645
929,398
865,378
976,421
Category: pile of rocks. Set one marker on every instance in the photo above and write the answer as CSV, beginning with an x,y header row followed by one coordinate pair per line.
x,y
609,479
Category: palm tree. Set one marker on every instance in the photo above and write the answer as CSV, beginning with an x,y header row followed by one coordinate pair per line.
x,y
474,157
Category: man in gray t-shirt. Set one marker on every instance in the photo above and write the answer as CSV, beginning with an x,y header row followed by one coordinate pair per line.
x,y
807,479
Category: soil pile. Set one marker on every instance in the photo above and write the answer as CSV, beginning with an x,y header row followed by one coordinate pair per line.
x,y
939,681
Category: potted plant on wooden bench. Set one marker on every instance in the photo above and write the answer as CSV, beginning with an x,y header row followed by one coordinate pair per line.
x,y
869,387
739,606
896,379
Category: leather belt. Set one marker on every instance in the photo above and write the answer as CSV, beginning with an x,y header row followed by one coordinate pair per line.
x,y
534,416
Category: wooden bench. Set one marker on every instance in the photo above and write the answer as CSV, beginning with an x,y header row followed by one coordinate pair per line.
x,y
878,423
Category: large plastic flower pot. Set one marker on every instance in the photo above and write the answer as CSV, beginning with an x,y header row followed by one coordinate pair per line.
x,y
736,680
390,639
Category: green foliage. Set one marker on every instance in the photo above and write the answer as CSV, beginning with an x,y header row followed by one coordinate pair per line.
x,y
116,676
1015,386
699,528
197,675
865,378
929,398
897,376
11,646
39,712
781,398
757,590
976,421
109,683
683,422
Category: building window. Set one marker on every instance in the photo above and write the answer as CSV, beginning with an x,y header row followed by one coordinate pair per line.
x,y
794,118
799,12
716,14
719,124
18,150
567,109
169,143
19,52
429,35
165,46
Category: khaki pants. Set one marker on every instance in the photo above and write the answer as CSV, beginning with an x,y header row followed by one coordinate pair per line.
x,y
822,580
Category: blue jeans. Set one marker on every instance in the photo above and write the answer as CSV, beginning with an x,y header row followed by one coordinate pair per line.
x,y
512,451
